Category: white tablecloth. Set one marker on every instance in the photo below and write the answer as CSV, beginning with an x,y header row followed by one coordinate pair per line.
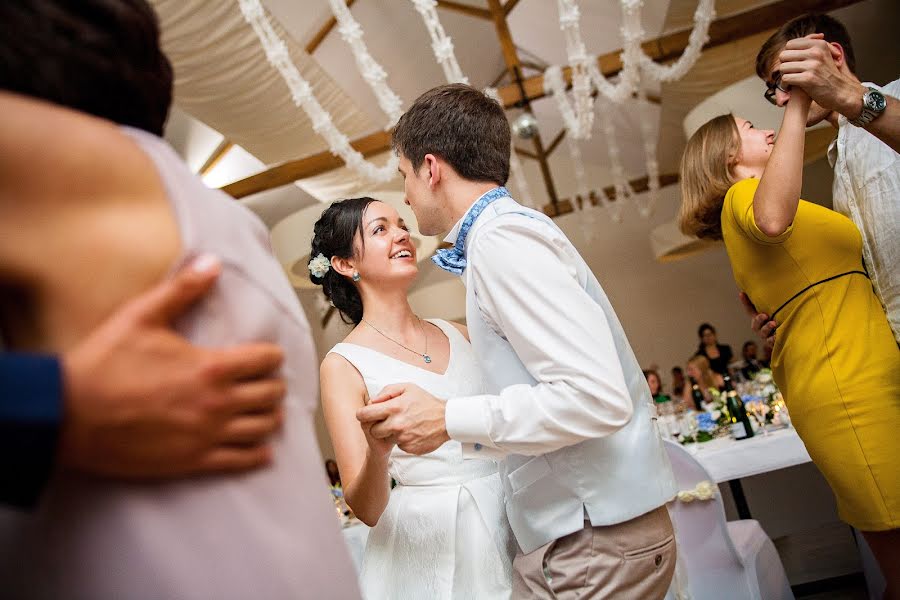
x,y
727,459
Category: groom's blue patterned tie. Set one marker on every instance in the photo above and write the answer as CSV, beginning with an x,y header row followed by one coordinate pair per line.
x,y
454,259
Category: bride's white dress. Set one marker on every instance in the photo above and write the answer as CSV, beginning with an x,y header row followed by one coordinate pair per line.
x,y
444,533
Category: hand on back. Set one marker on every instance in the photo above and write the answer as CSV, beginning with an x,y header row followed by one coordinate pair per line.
x,y
144,403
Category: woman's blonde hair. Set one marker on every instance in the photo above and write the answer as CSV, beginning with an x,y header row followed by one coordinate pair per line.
x,y
706,176
706,372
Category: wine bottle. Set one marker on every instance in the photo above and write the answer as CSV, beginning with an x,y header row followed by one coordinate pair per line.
x,y
697,395
741,429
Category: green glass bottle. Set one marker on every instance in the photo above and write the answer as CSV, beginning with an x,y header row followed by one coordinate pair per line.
x,y
741,429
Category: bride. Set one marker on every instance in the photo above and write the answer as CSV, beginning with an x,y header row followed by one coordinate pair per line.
x,y
441,533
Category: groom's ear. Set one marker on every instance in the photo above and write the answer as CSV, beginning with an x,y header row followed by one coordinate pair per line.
x,y
431,163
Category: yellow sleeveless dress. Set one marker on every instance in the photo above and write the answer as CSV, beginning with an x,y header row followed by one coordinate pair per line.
x,y
835,358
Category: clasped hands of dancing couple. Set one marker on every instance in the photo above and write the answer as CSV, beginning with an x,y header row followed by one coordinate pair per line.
x,y
406,415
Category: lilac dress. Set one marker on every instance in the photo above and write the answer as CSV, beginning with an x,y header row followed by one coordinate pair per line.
x,y
270,534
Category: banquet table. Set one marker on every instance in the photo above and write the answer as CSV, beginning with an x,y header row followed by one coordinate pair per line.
x,y
729,460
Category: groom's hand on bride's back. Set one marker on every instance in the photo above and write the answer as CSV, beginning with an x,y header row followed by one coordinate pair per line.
x,y
408,414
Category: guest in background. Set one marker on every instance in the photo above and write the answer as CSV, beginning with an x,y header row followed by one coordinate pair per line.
x,y
750,365
700,374
719,355
677,381
334,475
655,383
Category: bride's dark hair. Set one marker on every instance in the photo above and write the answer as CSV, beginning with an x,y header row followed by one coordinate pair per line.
x,y
333,235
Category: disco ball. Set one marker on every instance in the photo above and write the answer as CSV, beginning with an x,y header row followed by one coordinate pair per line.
x,y
525,126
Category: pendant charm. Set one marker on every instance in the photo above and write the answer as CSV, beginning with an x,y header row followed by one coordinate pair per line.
x,y
426,358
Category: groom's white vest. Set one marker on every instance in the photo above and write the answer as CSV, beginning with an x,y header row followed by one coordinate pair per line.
x,y
608,480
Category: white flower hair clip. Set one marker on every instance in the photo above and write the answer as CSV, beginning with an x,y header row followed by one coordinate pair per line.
x,y
319,266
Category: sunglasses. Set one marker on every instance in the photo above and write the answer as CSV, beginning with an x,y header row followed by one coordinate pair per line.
x,y
772,87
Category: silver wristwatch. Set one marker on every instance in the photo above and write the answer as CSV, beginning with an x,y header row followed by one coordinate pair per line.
x,y
873,104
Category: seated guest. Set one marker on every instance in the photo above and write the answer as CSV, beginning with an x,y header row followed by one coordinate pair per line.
x,y
677,381
655,384
750,365
334,476
719,355
701,375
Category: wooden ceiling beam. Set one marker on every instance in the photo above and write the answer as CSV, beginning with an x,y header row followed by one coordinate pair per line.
x,y
514,65
510,4
639,185
526,153
669,47
559,137
214,158
316,164
472,11
320,36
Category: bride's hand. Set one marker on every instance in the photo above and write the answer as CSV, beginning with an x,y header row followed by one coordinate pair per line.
x,y
379,448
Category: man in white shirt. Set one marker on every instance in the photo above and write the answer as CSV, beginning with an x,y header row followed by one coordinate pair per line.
x,y
567,409
815,53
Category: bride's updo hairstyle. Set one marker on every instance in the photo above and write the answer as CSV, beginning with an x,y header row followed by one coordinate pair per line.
x,y
333,235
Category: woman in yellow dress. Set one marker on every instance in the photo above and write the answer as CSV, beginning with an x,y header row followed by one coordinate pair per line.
x,y
835,358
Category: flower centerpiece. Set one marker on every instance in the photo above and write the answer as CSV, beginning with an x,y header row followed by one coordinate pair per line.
x,y
712,422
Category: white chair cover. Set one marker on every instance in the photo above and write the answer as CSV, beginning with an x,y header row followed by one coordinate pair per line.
x,y
718,559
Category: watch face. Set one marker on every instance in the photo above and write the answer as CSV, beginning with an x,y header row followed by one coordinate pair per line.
x,y
875,101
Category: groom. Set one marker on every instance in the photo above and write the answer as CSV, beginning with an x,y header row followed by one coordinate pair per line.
x,y
567,408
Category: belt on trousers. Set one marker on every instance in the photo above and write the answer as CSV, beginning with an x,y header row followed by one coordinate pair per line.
x,y
812,285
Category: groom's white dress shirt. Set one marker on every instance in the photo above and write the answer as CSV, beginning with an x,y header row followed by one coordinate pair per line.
x,y
567,403
527,280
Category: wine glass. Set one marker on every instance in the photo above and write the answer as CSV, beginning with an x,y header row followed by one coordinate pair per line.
x,y
759,410
689,424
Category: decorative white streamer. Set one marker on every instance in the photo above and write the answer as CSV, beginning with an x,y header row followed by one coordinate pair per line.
x,y
620,182
441,44
302,95
583,109
555,86
703,16
646,207
371,71
636,65
588,219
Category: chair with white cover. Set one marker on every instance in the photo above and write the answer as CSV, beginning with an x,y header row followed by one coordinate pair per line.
x,y
717,558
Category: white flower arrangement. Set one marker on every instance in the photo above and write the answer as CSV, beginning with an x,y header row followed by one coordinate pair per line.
x,y
319,266
704,490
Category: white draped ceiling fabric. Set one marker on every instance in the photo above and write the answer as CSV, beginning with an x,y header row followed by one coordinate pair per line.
x,y
224,80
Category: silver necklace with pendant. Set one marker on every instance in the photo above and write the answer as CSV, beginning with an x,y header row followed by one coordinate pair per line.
x,y
424,355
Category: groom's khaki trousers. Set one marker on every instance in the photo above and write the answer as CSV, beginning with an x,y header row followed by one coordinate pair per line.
x,y
634,560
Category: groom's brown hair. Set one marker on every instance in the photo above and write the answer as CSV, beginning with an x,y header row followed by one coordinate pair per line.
x,y
833,30
460,125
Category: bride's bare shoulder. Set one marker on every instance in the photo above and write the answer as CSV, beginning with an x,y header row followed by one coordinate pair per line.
x,y
337,370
